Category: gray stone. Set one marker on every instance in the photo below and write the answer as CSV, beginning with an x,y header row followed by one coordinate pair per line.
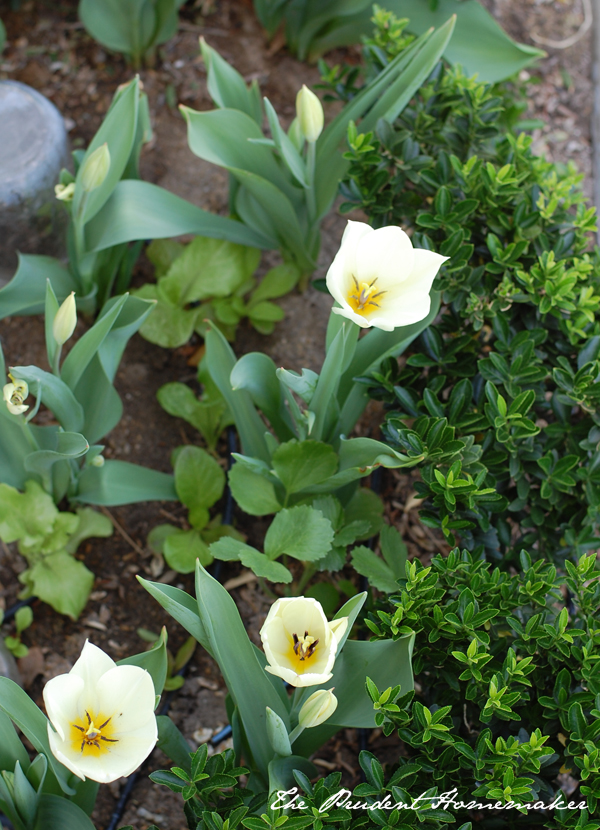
x,y
33,149
8,665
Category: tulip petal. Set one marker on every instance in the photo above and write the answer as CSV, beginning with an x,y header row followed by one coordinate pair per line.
x,y
92,664
62,699
403,311
425,268
338,628
129,693
346,311
386,255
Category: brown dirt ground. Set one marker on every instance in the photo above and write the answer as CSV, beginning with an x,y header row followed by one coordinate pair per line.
x,y
49,50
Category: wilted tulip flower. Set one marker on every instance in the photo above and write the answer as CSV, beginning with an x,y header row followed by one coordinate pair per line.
x,y
65,320
14,394
299,643
317,708
379,279
102,723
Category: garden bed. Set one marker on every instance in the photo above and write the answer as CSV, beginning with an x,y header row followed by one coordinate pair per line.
x,y
49,50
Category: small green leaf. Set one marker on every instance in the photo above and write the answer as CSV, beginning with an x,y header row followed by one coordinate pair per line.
x,y
301,532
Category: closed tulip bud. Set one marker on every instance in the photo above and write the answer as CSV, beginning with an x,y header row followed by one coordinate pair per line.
x,y
97,461
95,168
317,708
278,734
310,114
65,320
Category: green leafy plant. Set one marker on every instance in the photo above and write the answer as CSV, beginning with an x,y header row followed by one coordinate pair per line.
x,y
509,681
478,43
133,27
175,662
501,394
23,619
281,187
66,458
208,279
48,539
199,484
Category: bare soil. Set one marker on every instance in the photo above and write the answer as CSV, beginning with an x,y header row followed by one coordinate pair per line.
x,y
49,50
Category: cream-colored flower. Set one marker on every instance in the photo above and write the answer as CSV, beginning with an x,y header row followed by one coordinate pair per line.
x,y
65,320
379,279
317,708
64,192
103,717
299,643
14,394
309,111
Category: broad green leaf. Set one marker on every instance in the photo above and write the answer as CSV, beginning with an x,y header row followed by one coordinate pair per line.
x,y
254,493
154,661
60,580
23,712
256,374
209,417
119,482
229,550
167,325
301,532
220,361
181,606
286,147
206,268
264,567
182,548
379,574
276,283
140,210
199,479
172,742
68,445
162,253
366,453
281,777
366,505
393,550
91,524
32,519
239,665
226,86
11,748
26,292
300,464
117,131
56,813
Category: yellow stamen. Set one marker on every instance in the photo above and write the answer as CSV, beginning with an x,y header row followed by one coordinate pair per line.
x,y
364,295
91,739
302,649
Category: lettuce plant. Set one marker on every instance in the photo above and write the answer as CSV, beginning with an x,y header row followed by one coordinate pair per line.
x,y
210,279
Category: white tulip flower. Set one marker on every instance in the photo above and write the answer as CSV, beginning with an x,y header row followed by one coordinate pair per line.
x,y
14,394
299,643
379,279
103,717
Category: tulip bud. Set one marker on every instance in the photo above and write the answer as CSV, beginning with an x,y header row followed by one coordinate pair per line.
x,y
278,734
317,708
64,192
296,135
310,114
65,320
97,461
95,168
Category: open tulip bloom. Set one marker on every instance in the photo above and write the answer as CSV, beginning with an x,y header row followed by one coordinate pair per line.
x,y
102,724
299,643
379,279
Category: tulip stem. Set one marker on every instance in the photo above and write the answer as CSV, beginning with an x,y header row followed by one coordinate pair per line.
x,y
295,733
309,570
56,362
311,200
